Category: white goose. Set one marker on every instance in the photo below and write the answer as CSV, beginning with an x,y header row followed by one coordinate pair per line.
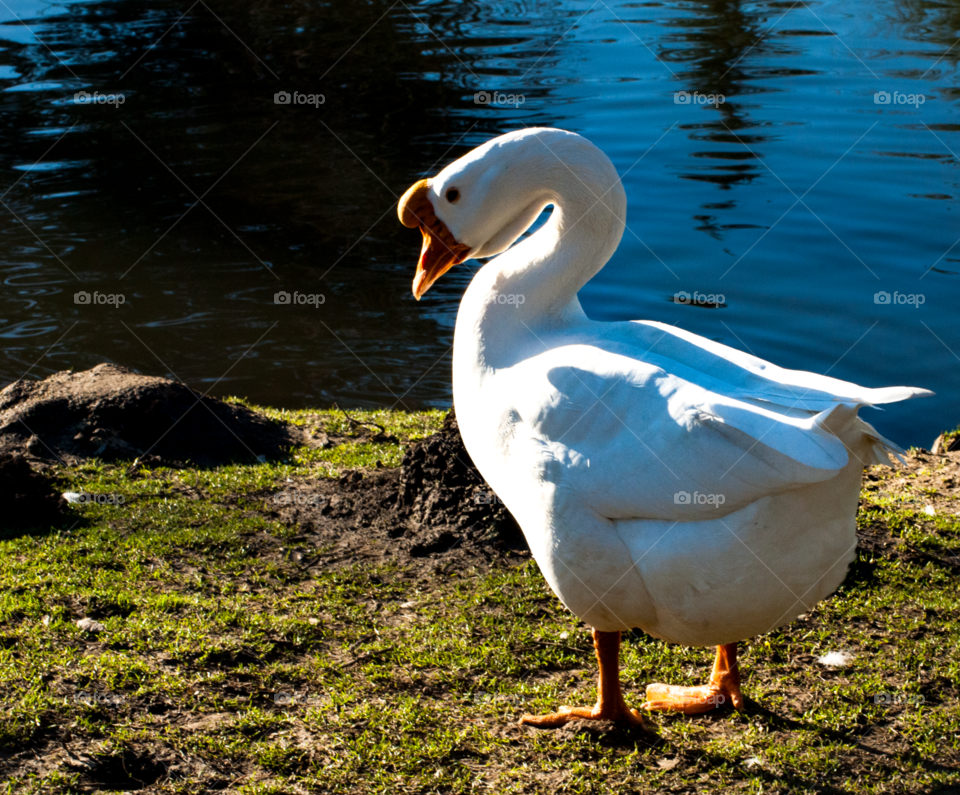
x,y
663,481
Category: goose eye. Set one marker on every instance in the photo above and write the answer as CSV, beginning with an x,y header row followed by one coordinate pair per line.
x,y
452,195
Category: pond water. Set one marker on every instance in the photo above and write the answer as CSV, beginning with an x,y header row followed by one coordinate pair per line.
x,y
826,179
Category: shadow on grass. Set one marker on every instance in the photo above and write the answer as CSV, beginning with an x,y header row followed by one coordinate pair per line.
x,y
63,524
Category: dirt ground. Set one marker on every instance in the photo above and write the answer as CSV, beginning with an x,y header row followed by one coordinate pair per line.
x,y
435,506
435,509
933,480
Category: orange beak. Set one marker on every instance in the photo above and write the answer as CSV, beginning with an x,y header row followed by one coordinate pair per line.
x,y
440,251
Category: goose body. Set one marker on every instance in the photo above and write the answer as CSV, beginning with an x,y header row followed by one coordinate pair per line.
x,y
618,496
662,480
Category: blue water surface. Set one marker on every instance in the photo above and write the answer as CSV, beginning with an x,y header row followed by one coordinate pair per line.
x,y
816,203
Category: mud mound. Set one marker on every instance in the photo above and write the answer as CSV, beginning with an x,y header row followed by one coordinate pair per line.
x,y
113,413
436,506
29,499
440,487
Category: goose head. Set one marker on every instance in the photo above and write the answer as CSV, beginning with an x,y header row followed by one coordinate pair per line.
x,y
479,205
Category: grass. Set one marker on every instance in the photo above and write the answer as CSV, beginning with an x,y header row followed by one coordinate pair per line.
x,y
225,666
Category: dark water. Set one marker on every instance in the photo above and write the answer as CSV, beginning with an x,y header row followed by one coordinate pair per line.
x,y
798,198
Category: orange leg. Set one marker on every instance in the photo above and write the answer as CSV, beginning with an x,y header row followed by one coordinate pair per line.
x,y
610,704
724,688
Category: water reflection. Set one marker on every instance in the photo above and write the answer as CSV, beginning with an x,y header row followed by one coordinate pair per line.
x,y
707,53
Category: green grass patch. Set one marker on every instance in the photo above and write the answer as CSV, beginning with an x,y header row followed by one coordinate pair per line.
x,y
225,666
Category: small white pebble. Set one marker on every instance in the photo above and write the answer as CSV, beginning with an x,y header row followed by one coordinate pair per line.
x,y
836,659
564,635
929,511
89,625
